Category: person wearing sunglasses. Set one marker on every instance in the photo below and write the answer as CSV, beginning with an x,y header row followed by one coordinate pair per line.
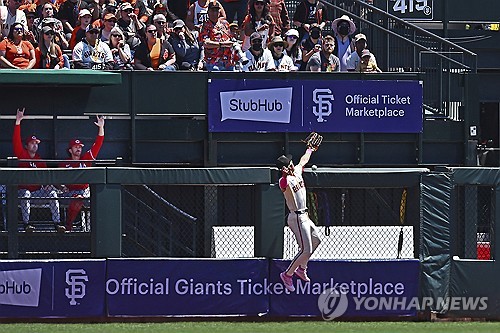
x,y
293,49
48,12
154,54
15,51
91,53
282,62
12,14
48,53
120,50
186,46
258,20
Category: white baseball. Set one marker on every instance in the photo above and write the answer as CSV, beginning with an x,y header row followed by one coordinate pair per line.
x,y
314,167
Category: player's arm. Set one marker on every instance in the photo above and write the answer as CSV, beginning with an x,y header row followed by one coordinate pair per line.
x,y
16,136
305,158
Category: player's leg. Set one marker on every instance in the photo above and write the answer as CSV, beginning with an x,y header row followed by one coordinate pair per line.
x,y
25,205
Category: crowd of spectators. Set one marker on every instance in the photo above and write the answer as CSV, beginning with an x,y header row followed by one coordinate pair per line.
x,y
161,35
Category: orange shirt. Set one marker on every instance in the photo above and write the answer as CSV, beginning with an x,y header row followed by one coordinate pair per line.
x,y
18,55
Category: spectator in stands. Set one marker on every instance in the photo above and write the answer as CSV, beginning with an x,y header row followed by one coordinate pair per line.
x,y
293,49
236,10
91,53
154,54
78,33
120,50
69,15
160,22
308,12
15,51
9,15
324,61
367,65
279,12
260,59
355,57
343,28
31,35
140,10
282,62
108,23
48,12
258,20
311,45
131,26
48,54
215,37
47,193
80,191
186,47
198,13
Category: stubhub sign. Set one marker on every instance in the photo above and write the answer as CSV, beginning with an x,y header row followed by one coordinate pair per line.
x,y
268,105
342,106
20,287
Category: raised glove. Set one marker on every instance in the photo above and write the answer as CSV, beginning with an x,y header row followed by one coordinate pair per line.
x,y
313,141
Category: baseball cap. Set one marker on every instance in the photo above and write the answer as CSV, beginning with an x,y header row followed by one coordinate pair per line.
x,y
359,37
32,138
91,27
125,6
109,16
283,161
178,24
292,32
75,142
255,35
159,18
84,12
46,29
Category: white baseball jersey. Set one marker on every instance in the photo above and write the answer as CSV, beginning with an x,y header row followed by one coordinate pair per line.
x,y
7,19
294,190
96,56
261,64
200,13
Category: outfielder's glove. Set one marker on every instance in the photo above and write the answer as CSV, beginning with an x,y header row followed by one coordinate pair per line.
x,y
313,141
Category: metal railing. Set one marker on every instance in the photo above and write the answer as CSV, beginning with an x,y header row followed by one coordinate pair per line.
x,y
152,226
401,46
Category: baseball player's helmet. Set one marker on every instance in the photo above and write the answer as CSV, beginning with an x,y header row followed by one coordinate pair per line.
x,y
283,161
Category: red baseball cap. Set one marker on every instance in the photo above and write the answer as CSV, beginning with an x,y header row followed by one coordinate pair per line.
x,y
32,138
75,142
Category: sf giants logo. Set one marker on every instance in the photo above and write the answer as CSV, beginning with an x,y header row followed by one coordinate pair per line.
x,y
75,279
323,107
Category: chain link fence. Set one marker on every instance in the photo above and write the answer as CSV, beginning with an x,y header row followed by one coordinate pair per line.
x,y
361,223
476,221
218,222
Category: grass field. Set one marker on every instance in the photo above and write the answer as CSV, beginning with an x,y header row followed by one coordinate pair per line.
x,y
273,327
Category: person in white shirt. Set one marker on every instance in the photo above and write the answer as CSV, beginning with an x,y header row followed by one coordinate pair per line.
x,y
260,59
9,15
282,62
91,52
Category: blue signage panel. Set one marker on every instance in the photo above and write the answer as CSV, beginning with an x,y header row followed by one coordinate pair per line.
x,y
169,287
314,105
348,289
52,288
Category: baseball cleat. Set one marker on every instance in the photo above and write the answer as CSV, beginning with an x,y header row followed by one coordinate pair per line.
x,y
302,274
287,281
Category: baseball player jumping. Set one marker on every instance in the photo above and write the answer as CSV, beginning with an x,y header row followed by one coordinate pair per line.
x,y
306,233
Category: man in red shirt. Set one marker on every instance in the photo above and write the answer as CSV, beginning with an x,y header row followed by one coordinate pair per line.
x,y
79,160
46,193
